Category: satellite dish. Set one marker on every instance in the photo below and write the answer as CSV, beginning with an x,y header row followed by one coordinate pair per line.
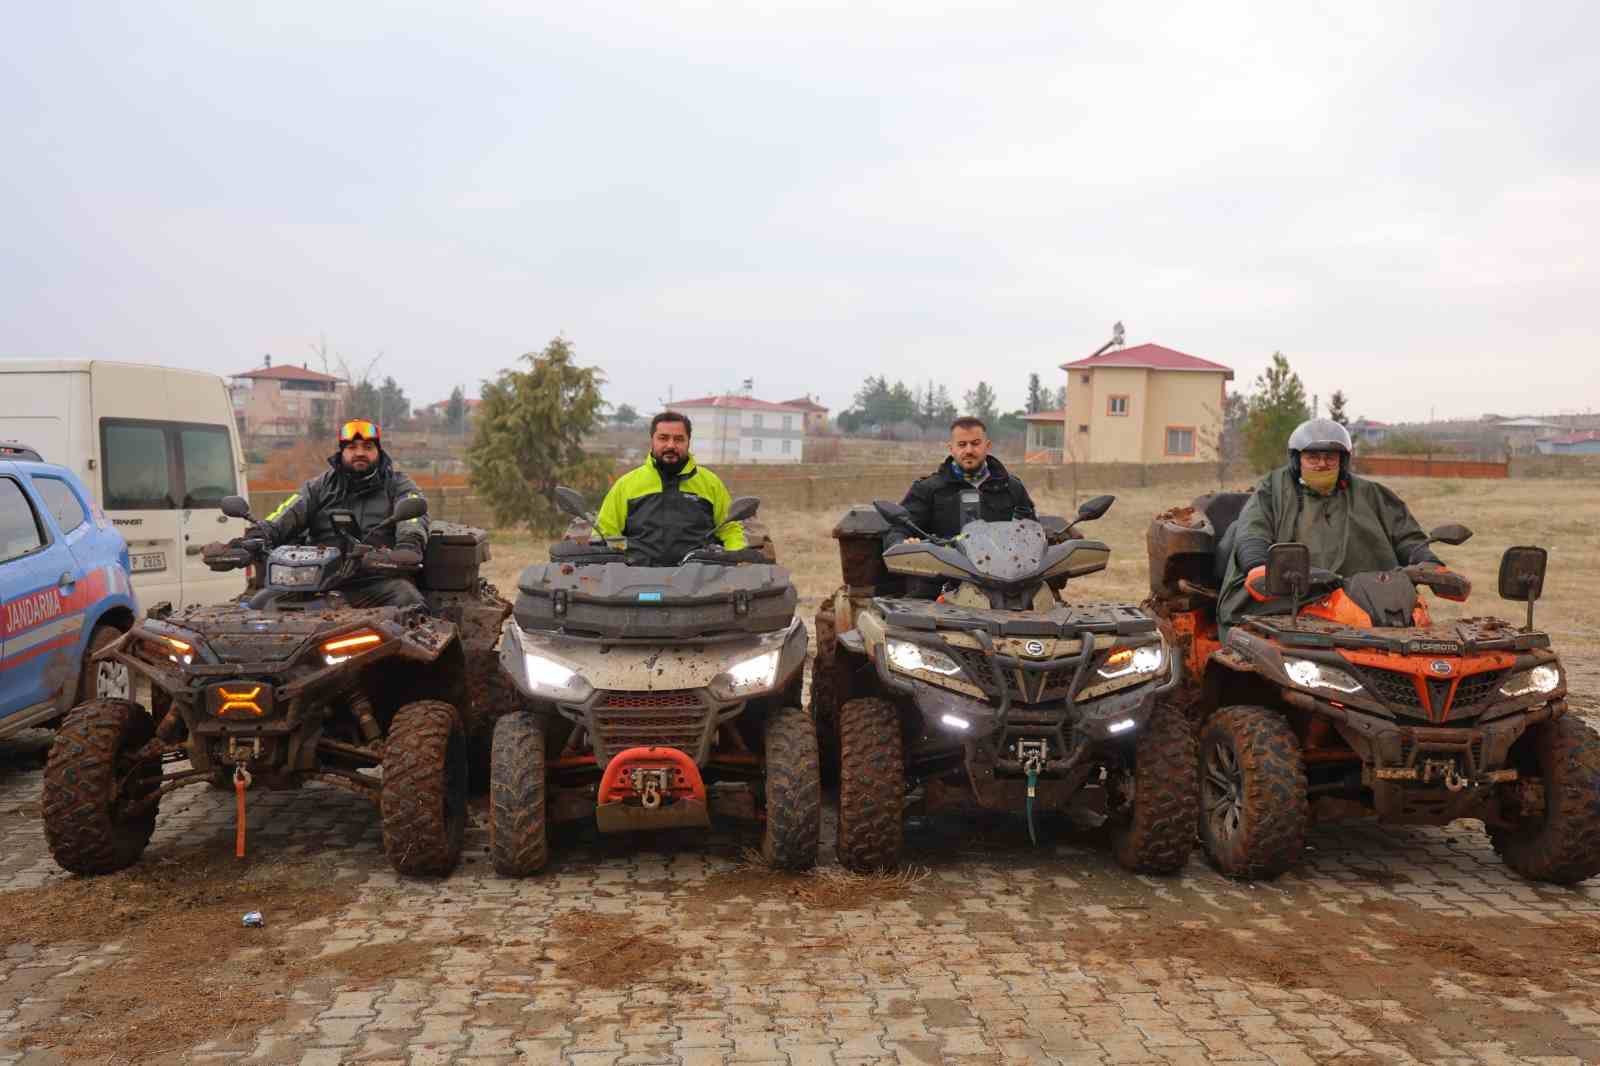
x,y
1116,334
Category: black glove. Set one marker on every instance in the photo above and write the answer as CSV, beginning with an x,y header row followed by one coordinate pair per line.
x,y
233,555
400,560
1325,579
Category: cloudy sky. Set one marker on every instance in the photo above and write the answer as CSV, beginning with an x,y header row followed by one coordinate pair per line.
x,y
1400,197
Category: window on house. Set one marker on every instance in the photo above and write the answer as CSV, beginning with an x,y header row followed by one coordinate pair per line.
x,y
756,420
1117,406
788,446
755,443
788,422
1083,379
1082,428
1180,440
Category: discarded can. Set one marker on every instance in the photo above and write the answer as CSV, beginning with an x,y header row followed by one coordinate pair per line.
x,y
253,920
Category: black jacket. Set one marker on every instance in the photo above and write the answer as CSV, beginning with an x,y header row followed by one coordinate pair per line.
x,y
337,489
935,501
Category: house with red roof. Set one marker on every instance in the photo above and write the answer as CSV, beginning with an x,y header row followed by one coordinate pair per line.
x,y
734,428
286,401
1583,442
816,414
1145,404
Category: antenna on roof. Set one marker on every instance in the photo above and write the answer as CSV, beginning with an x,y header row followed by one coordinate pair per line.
x,y
749,386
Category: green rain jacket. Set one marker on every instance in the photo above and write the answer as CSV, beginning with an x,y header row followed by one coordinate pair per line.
x,y
665,517
1361,527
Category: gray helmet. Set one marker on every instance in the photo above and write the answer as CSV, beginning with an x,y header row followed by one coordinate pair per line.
x,y
1319,435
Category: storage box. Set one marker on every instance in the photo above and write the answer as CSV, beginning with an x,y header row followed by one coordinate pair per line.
x,y
657,603
452,558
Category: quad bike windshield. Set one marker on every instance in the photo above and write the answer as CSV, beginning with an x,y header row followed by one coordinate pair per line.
x,y
1007,564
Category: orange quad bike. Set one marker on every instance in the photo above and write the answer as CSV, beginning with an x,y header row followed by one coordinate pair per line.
x,y
1345,697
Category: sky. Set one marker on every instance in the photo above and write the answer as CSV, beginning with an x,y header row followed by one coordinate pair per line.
x,y
1398,196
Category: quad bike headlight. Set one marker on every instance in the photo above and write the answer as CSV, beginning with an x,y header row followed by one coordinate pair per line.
x,y
291,577
1308,674
755,673
1539,680
1146,659
907,657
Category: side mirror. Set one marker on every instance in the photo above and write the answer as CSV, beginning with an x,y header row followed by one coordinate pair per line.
x,y
1449,534
893,513
236,507
742,508
409,507
1522,574
1095,508
1288,570
571,501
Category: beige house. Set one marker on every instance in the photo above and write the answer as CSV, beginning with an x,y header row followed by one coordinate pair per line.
x,y
816,415
1145,404
287,402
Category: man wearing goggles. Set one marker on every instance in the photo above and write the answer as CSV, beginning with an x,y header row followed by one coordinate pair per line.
x,y
362,480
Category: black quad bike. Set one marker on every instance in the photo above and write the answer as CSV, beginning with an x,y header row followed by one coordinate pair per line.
x,y
996,694
654,696
303,687
1343,697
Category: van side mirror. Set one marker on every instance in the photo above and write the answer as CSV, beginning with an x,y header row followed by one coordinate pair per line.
x,y
1452,533
236,507
571,502
1095,508
1288,570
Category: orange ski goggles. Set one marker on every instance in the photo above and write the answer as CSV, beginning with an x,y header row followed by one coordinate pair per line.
x,y
359,427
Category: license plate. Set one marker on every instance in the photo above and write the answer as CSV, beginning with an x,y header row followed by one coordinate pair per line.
x,y
146,562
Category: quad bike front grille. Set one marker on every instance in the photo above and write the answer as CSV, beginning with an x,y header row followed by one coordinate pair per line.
x,y
1400,691
674,719
1026,686
1397,689
1478,688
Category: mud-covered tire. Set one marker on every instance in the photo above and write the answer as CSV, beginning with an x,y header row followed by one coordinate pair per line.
x,y
872,785
1260,831
825,694
794,791
1563,845
110,681
85,823
518,842
1156,833
424,792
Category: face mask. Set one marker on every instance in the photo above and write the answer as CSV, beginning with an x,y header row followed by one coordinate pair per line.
x,y
1321,482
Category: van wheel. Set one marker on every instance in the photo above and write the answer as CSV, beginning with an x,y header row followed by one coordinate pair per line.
x,y
103,680
1562,844
424,791
518,845
1152,830
794,791
98,816
872,785
1253,805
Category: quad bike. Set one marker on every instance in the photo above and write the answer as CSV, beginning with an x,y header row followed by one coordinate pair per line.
x,y
653,695
1347,698
997,694
302,687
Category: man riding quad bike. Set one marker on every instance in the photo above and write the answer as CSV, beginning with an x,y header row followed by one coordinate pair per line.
x,y
998,694
1322,686
306,687
653,695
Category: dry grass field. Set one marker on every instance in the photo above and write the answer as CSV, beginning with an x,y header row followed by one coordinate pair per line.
x,y
1558,515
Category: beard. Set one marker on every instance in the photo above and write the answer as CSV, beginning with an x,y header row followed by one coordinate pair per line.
x,y
670,460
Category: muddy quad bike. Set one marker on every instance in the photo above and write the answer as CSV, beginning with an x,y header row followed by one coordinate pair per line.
x,y
303,687
1346,698
654,696
998,694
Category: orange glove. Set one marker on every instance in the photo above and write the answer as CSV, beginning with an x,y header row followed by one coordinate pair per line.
x,y
1255,582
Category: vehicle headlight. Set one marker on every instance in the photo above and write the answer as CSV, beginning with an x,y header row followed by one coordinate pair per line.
x,y
1540,679
553,680
756,672
1308,674
908,657
1146,659
292,576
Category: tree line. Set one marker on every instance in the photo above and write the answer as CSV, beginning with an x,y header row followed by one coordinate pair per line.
x,y
900,410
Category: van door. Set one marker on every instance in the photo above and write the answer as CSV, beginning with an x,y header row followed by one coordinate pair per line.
x,y
41,618
141,494
206,473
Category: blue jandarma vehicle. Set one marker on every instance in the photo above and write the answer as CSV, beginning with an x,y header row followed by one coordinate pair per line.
x,y
64,592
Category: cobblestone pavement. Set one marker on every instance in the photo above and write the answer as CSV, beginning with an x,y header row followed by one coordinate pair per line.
x,y
1000,953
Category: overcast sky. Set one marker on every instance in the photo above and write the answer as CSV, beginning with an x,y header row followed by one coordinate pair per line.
x,y
1400,197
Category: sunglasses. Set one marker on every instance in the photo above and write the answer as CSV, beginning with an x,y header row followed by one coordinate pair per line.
x,y
358,427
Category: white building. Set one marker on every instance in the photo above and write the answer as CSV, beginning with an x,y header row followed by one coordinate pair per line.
x,y
738,429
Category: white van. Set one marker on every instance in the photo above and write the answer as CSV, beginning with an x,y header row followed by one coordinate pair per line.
x,y
158,449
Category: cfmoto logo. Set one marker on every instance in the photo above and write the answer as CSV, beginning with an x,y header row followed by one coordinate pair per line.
x,y
1440,667
1034,647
